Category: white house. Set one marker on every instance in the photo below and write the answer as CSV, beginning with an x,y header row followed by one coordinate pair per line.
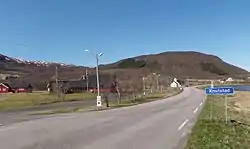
x,y
175,83
229,80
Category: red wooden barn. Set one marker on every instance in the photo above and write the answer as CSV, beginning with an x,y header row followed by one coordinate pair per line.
x,y
15,88
4,88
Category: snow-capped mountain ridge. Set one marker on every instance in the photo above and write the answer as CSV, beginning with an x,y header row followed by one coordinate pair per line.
x,y
38,63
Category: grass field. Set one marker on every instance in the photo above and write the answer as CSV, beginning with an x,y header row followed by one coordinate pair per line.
x,y
17,100
114,104
211,131
147,98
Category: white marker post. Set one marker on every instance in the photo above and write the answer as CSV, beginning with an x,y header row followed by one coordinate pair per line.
x,y
99,101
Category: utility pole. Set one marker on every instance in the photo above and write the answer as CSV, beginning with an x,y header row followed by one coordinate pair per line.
x,y
157,80
144,86
87,79
57,88
157,77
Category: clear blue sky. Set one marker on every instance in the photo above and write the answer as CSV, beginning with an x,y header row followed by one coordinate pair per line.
x,y
60,30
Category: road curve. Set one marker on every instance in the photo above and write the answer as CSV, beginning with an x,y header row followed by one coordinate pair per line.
x,y
160,124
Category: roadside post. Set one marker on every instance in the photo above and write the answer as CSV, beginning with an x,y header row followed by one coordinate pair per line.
x,y
98,101
211,102
225,91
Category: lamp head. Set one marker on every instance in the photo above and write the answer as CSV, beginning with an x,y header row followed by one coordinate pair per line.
x,y
100,54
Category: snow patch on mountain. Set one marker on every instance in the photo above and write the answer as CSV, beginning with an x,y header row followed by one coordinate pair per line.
x,y
38,63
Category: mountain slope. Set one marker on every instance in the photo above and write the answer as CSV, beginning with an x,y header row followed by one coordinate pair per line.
x,y
170,64
6,60
181,64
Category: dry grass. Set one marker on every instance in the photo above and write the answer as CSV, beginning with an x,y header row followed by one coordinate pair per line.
x,y
211,132
241,101
125,102
18,100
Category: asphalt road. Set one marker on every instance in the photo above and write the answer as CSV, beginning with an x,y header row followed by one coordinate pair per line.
x,y
161,124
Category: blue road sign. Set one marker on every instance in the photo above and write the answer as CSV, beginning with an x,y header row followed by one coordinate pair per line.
x,y
219,91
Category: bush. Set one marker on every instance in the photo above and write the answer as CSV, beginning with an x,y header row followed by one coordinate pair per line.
x,y
210,67
154,66
131,63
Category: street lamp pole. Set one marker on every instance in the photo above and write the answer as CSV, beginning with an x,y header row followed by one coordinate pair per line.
x,y
97,76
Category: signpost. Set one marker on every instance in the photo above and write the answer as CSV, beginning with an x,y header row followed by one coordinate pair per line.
x,y
221,91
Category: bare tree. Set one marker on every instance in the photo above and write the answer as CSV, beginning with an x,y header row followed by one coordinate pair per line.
x,y
115,88
105,97
61,92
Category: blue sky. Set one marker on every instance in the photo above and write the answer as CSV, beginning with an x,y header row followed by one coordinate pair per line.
x,y
60,30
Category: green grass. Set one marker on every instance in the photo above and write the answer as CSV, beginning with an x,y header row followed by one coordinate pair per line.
x,y
211,131
18,100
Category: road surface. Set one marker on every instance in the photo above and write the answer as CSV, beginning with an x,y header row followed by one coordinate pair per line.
x,y
161,124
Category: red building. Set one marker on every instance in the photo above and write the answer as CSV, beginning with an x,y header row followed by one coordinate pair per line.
x,y
4,88
15,88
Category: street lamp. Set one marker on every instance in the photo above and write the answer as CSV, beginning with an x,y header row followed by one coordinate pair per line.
x,y
97,55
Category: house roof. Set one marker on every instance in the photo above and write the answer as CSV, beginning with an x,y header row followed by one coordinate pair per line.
x,y
5,85
105,82
16,84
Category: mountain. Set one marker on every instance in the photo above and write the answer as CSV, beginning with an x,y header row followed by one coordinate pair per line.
x,y
188,64
6,60
35,72
180,64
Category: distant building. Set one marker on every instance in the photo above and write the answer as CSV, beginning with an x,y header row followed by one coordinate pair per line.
x,y
4,88
229,80
175,83
75,86
15,88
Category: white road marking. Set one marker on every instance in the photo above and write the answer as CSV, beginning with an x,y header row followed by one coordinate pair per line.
x,y
183,124
201,104
196,110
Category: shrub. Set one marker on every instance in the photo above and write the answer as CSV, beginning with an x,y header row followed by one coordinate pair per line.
x,y
131,63
154,66
210,67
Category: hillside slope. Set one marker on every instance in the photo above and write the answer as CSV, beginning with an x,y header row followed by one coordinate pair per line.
x,y
180,64
171,64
